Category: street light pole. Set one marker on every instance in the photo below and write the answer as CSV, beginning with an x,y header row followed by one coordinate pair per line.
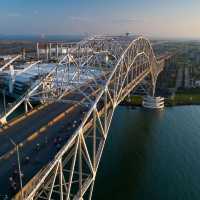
x,y
4,101
19,167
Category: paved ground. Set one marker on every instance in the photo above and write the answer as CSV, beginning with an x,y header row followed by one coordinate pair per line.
x,y
179,79
187,78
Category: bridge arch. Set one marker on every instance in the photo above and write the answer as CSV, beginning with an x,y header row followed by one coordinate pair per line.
x,y
72,172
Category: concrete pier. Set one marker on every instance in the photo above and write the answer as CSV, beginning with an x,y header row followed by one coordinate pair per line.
x,y
153,102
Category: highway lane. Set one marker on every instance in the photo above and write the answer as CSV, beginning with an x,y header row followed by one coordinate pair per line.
x,y
44,153
42,148
21,130
39,155
187,77
31,124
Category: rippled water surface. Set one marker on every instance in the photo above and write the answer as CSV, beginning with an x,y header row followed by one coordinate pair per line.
x,y
151,155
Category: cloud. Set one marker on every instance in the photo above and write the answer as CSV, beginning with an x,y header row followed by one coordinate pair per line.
x,y
14,14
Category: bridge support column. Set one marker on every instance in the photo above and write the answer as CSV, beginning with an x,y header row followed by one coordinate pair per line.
x,y
38,51
129,98
152,102
26,106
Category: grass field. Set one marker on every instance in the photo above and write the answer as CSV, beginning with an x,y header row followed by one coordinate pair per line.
x,y
178,99
183,99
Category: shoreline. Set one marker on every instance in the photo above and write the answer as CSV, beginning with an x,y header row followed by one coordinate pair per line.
x,y
136,101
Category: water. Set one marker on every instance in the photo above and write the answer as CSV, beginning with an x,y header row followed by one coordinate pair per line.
x,y
151,155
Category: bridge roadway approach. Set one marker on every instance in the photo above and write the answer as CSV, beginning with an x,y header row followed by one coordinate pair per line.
x,y
40,135
44,134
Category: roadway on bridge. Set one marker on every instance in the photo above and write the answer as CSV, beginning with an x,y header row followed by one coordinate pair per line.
x,y
42,134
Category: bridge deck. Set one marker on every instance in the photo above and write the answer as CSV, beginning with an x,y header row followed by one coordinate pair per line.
x,y
56,121
43,133
37,135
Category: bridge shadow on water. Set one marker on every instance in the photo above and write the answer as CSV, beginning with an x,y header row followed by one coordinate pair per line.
x,y
126,153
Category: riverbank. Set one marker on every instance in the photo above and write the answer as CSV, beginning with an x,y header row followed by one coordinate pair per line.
x,y
177,100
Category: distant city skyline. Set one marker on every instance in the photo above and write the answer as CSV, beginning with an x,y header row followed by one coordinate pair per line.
x,y
155,18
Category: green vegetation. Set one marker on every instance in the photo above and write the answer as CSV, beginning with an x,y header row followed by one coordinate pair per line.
x,y
191,91
178,99
137,100
183,99
133,100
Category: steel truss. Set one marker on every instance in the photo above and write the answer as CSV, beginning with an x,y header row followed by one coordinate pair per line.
x,y
57,80
72,172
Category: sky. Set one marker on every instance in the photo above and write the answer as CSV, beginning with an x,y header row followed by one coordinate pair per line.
x,y
156,18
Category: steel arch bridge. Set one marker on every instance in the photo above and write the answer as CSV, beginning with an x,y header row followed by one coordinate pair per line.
x,y
124,64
